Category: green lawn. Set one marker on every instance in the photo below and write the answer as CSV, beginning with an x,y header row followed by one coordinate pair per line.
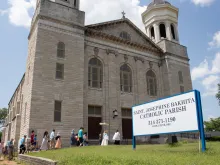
x,y
185,154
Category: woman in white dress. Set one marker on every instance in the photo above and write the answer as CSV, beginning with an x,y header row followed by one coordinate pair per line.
x,y
105,139
116,138
44,145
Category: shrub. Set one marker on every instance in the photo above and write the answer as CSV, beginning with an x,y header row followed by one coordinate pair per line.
x,y
214,138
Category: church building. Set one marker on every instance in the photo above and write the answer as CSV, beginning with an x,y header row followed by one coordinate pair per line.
x,y
81,75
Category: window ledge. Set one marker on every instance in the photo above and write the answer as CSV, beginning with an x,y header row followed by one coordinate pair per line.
x,y
127,93
97,89
61,80
154,97
58,123
61,58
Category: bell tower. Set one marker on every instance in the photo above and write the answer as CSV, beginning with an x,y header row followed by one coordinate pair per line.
x,y
161,21
55,68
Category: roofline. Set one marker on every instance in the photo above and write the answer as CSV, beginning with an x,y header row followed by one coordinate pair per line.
x,y
129,21
17,88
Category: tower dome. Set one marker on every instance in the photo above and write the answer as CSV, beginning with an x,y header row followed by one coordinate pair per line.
x,y
161,21
158,2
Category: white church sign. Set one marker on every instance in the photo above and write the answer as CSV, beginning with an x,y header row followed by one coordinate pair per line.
x,y
180,113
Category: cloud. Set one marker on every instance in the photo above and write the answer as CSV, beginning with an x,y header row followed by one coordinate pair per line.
x,y
203,69
208,75
203,2
215,43
20,12
211,117
210,85
200,71
3,12
98,11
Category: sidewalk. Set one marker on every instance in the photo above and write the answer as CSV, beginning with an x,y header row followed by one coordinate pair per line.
x,y
6,162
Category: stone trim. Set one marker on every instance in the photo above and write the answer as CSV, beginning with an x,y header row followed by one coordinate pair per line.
x,y
114,39
32,160
125,20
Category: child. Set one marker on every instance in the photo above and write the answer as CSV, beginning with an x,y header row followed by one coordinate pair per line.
x,y
58,143
35,143
85,141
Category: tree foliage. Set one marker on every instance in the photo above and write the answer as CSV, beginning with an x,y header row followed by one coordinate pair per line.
x,y
3,113
212,125
218,94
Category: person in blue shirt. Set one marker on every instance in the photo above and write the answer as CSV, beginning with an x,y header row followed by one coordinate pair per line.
x,y
80,135
22,145
52,139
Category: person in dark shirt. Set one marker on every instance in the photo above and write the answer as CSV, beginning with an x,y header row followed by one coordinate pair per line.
x,y
32,137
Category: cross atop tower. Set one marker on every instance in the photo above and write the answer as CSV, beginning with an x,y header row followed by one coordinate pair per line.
x,y
123,15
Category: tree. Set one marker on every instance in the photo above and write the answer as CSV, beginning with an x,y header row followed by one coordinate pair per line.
x,y
3,113
213,124
218,94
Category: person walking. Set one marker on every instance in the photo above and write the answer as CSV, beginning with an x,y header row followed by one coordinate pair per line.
x,y
80,135
44,144
10,149
32,137
58,141
22,145
35,143
100,139
85,140
52,139
73,140
116,138
105,139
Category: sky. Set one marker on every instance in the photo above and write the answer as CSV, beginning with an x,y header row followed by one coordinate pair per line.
x,y
199,31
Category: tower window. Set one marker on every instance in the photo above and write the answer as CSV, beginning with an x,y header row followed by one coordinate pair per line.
x,y
173,31
59,71
57,111
163,31
60,50
74,3
180,74
152,32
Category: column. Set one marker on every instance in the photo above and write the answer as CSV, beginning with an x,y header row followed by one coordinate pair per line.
x,y
176,32
148,32
168,31
156,32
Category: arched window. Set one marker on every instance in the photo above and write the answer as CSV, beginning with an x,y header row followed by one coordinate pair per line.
x,y
163,31
61,50
180,77
151,83
125,35
173,31
126,78
95,73
152,32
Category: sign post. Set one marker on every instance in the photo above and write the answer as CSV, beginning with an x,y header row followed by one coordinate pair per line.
x,y
175,114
